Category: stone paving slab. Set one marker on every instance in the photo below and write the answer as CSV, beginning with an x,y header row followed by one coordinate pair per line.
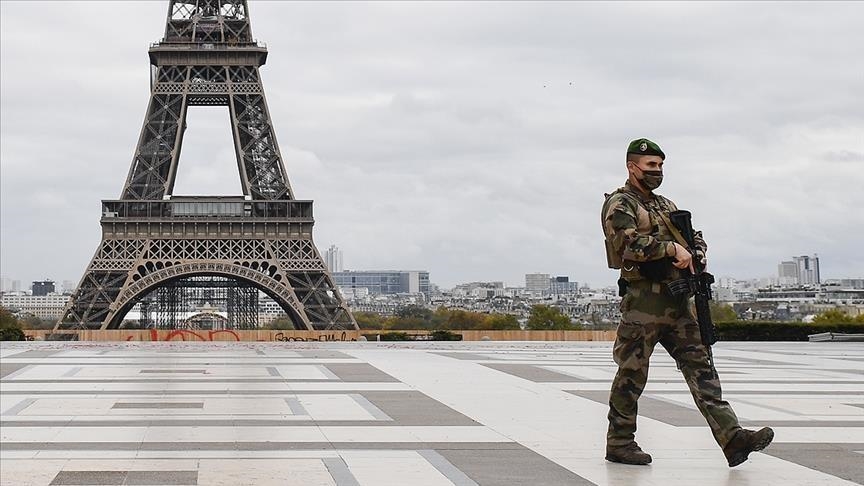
x,y
378,414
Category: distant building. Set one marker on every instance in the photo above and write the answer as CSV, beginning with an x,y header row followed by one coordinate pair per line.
x,y
41,306
537,283
481,289
852,283
42,288
333,259
787,273
358,293
808,270
383,282
67,287
803,294
724,294
802,270
563,286
268,310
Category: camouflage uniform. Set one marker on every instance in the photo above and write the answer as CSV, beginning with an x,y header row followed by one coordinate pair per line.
x,y
651,314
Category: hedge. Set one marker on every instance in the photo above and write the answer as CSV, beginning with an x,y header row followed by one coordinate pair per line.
x,y
12,333
779,331
439,335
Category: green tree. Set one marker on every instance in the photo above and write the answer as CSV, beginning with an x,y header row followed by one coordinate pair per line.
x,y
10,327
439,317
547,318
722,312
369,320
835,316
6,318
417,311
33,322
500,322
281,324
408,323
462,319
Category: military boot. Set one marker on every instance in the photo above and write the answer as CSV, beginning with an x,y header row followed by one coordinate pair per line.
x,y
746,441
628,454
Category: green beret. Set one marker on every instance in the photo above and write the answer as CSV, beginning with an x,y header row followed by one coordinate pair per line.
x,y
643,146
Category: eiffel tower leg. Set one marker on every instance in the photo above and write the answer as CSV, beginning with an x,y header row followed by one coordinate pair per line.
x,y
153,168
90,306
258,154
321,300
313,285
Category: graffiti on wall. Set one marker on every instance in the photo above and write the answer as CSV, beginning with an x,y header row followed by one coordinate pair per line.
x,y
189,335
194,335
281,337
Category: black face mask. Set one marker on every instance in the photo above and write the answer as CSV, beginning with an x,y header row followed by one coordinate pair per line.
x,y
651,179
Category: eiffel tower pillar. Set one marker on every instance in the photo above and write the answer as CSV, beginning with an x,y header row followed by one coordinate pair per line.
x,y
151,238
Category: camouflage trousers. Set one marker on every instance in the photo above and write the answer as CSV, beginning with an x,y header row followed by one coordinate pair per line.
x,y
649,317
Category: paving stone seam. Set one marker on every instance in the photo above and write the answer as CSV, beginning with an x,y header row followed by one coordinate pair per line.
x,y
340,472
445,467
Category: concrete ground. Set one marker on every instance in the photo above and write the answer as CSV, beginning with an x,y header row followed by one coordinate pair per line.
x,y
378,414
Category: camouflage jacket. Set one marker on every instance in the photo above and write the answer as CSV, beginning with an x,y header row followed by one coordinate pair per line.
x,y
634,228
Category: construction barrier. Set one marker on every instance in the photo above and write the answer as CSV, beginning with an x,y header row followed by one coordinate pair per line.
x,y
301,336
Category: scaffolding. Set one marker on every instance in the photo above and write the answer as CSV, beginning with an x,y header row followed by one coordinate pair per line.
x,y
176,304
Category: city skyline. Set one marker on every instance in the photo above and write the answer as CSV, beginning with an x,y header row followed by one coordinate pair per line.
x,y
430,137
777,278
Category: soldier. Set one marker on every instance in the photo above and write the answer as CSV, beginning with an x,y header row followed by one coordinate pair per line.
x,y
640,243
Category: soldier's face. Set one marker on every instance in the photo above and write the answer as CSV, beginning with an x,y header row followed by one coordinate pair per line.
x,y
645,163
646,172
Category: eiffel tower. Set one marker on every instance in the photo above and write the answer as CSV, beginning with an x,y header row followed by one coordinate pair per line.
x,y
153,241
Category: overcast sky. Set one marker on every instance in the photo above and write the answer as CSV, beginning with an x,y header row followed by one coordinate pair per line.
x,y
473,140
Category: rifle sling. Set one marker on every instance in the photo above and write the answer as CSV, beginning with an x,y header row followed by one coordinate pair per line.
x,y
677,234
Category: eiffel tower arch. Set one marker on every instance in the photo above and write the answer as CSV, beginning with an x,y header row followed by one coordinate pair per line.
x,y
260,240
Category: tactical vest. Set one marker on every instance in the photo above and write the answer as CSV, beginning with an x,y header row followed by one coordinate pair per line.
x,y
648,221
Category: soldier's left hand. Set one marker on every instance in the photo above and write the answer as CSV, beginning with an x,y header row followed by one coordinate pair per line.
x,y
683,259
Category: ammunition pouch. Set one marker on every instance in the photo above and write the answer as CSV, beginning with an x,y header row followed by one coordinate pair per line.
x,y
681,287
612,258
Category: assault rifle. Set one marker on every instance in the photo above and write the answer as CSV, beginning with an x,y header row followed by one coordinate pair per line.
x,y
697,283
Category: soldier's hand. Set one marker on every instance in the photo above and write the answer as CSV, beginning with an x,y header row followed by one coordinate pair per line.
x,y
683,258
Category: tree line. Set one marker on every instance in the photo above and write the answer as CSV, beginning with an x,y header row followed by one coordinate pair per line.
x,y
10,326
415,317
725,313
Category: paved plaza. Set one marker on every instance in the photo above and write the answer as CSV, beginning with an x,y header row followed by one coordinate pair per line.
x,y
379,414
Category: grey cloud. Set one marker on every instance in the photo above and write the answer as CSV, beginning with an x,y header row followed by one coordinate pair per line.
x,y
427,138
843,156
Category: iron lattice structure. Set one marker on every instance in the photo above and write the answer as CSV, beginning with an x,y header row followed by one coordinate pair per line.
x,y
151,238
195,303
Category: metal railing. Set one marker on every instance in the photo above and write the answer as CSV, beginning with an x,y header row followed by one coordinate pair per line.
x,y
206,46
215,208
